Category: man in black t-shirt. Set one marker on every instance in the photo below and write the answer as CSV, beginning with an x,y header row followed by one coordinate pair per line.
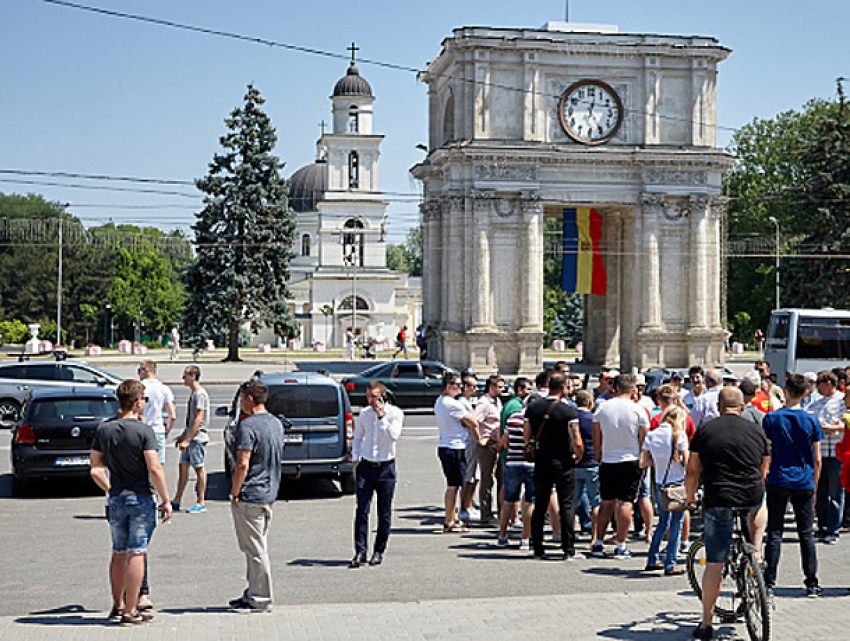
x,y
559,446
124,461
732,455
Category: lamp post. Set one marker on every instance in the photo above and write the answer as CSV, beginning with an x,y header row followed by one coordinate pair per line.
x,y
776,269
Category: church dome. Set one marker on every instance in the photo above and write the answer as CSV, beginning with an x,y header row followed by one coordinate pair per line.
x,y
352,84
307,186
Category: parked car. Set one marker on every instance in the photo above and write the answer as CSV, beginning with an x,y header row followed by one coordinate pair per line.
x,y
18,378
54,434
318,423
409,383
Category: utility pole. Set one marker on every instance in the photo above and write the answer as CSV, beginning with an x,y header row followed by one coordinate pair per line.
x,y
59,283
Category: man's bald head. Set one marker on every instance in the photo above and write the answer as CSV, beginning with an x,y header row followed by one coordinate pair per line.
x,y
730,400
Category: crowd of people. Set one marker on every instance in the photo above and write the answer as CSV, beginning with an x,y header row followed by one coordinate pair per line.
x,y
745,444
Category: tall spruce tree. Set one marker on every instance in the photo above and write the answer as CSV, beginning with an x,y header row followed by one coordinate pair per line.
x,y
820,274
243,237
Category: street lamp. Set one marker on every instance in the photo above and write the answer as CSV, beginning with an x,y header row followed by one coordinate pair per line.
x,y
776,270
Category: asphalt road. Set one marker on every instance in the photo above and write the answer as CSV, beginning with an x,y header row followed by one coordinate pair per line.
x,y
55,546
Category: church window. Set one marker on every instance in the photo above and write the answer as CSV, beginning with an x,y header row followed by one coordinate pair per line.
x,y
353,124
347,303
352,242
305,245
353,170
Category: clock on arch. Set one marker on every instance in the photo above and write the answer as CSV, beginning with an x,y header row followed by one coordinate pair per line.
x,y
590,112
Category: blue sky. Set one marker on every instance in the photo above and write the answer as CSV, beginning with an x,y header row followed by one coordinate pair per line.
x,y
86,93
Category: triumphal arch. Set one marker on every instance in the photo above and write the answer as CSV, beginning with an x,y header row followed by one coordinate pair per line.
x,y
524,123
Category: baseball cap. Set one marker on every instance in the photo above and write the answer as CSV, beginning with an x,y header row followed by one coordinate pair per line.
x,y
811,377
640,379
677,375
611,373
753,377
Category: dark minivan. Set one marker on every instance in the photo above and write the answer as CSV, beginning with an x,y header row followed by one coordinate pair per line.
x,y
55,432
318,422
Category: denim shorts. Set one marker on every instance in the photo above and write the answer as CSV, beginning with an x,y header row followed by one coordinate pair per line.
x,y
194,454
645,487
717,532
132,520
160,446
514,477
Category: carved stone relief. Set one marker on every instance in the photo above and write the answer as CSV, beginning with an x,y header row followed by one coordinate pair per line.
x,y
513,173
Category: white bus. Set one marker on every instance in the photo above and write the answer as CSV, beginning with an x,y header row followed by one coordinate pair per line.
x,y
807,340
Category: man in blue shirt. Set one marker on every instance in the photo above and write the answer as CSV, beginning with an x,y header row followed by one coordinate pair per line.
x,y
795,463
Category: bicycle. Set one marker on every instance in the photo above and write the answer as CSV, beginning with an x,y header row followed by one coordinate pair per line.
x,y
742,589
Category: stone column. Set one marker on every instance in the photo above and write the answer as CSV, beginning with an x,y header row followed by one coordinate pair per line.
x,y
698,264
431,276
651,209
531,317
477,276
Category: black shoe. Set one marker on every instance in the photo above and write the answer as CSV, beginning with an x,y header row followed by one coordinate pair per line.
x,y
358,560
236,603
376,559
704,632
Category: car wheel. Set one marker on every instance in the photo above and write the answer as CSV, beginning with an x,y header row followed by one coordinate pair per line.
x,y
348,483
10,412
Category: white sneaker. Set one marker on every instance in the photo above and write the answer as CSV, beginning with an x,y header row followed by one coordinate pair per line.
x,y
517,525
525,545
474,514
576,556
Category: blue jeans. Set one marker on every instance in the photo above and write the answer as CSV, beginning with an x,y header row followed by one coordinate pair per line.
x,y
665,519
586,496
830,506
132,520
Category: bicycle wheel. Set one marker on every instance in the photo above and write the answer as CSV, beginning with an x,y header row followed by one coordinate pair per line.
x,y
754,600
728,604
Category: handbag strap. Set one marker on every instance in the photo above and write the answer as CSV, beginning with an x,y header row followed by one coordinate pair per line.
x,y
669,462
545,418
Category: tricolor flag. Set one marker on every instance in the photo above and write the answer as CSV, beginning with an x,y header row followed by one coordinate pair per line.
x,y
584,271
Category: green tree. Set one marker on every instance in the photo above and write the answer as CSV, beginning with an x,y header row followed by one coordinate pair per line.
x,y
243,236
761,184
407,256
563,312
820,274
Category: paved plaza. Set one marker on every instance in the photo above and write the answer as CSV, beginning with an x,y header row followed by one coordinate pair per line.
x,y
55,549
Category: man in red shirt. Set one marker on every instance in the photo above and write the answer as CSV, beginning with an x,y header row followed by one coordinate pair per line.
x,y
668,397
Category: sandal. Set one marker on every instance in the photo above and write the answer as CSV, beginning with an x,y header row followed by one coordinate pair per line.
x,y
457,526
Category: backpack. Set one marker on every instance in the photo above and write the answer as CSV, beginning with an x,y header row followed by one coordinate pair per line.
x,y
399,337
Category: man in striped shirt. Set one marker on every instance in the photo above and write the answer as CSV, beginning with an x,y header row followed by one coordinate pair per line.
x,y
517,473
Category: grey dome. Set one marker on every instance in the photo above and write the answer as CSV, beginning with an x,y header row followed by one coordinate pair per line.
x,y
352,84
307,186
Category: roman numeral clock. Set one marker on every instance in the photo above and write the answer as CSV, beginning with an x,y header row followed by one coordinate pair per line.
x,y
590,112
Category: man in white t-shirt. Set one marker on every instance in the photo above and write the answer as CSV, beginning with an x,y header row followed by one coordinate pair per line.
x,y
159,397
456,425
619,427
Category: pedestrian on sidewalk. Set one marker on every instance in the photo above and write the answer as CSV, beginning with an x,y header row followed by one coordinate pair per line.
x,y
124,462
258,452
376,433
193,442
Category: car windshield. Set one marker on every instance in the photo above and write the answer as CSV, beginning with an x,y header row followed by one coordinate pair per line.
x,y
372,371
303,401
72,409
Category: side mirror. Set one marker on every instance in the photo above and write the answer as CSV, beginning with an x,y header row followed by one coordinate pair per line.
x,y
222,411
287,424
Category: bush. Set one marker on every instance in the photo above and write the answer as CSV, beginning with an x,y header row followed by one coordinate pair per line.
x,y
14,331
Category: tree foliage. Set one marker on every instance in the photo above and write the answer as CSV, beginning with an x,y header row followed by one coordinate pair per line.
x,y
764,182
407,256
563,312
243,236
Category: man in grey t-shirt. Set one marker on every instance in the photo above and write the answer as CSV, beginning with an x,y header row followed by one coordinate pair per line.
x,y
258,451
193,442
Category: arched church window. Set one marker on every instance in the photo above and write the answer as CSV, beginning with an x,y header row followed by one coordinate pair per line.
x,y
347,302
352,242
449,120
305,245
353,170
353,124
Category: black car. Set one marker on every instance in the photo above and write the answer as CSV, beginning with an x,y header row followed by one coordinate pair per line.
x,y
54,435
409,383
318,426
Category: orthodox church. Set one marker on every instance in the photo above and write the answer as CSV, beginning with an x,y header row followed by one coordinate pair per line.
x,y
339,279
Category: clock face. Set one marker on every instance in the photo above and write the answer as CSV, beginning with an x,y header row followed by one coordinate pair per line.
x,y
590,112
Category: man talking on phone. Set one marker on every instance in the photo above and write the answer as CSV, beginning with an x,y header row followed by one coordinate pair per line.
x,y
376,432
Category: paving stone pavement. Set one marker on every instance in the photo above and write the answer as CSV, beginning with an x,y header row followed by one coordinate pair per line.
x,y
622,615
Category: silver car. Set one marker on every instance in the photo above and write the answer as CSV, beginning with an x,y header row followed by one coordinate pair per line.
x,y
17,379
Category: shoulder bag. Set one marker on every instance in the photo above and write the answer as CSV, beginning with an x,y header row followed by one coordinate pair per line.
x,y
530,451
673,494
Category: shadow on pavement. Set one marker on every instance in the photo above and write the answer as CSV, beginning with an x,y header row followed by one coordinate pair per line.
x,y
213,609
50,488
66,615
664,625
309,563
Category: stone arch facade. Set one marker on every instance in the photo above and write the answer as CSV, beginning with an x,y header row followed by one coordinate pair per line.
x,y
656,182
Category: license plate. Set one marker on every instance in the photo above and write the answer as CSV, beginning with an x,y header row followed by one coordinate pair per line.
x,y
71,461
293,438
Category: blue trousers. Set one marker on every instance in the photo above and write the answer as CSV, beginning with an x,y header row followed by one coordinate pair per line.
x,y
665,519
777,503
379,480
830,507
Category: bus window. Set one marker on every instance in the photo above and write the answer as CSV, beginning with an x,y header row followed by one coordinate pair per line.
x,y
777,333
823,338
